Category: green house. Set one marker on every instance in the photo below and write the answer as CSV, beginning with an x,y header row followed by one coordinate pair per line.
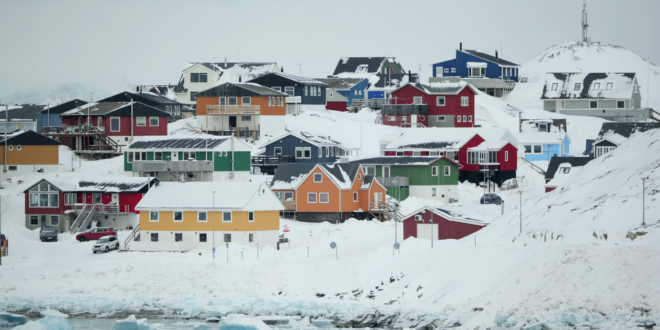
x,y
422,177
189,158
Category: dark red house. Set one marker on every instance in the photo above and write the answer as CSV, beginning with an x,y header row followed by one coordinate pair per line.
x,y
489,152
119,121
65,201
435,105
439,224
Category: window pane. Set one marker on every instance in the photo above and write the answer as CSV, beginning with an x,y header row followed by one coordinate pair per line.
x,y
178,237
246,100
34,220
154,237
299,153
54,220
528,149
202,238
114,124
153,121
311,198
288,196
43,200
227,238
43,186
153,215
308,153
54,200
194,77
324,197
202,77
34,200
178,216
232,101
226,216
251,216
537,149
201,216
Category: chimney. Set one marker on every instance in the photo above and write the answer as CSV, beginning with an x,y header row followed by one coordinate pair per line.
x,y
461,46
282,69
225,62
496,53
239,78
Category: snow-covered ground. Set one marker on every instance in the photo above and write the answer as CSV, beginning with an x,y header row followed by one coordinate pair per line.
x,y
580,257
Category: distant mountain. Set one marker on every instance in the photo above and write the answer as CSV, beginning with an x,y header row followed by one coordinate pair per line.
x,y
55,94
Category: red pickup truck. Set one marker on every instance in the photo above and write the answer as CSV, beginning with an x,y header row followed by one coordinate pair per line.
x,y
94,234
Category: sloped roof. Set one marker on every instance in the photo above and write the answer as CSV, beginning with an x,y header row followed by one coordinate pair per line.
x,y
553,166
541,137
294,77
448,215
289,175
25,111
340,83
489,58
447,138
239,89
625,129
350,64
145,97
178,142
28,138
122,109
74,182
441,88
314,139
592,85
246,196
229,65
66,106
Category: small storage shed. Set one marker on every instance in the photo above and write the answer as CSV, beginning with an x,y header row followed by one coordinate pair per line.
x,y
439,224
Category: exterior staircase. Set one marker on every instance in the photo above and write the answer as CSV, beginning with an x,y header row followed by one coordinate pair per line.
x,y
654,115
379,119
85,216
534,167
386,211
134,236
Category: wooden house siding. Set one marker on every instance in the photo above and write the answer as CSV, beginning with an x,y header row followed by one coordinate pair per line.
x,y
446,229
423,175
326,186
452,107
263,220
274,80
30,155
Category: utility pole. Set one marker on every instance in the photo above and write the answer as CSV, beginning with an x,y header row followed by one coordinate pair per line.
x,y
521,210
643,206
585,23
213,215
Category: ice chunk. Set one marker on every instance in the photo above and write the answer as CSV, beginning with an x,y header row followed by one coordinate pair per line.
x,y
131,323
511,321
239,322
500,318
11,320
538,326
215,311
53,313
571,319
595,318
47,323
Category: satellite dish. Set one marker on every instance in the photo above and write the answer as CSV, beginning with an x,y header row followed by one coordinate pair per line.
x,y
333,245
397,245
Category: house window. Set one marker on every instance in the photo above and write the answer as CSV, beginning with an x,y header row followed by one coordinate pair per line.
x,y
54,220
198,77
153,121
154,237
447,170
324,198
153,216
308,152
362,68
528,149
470,119
440,101
96,198
620,104
288,196
565,170
458,119
299,152
609,86
554,86
277,151
202,238
18,147
417,100
355,196
506,156
492,157
577,86
178,237
453,70
386,171
250,238
476,72
246,100
596,86
391,118
114,124
465,101
446,70
434,171
369,170
442,118
464,118
422,117
158,155
277,88
34,220
318,177
223,101
178,216
201,217
11,147
141,121
538,149
70,198
232,100
227,238
251,216
311,198
593,104
359,176
289,90
226,216
246,118
129,157
432,191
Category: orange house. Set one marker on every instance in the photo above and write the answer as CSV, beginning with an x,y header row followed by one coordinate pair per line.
x,y
246,109
322,192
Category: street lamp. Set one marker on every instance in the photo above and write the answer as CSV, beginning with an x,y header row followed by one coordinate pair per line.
x,y
520,210
643,206
213,215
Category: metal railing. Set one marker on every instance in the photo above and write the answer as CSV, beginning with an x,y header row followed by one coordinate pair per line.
x,y
405,109
271,160
64,129
111,208
396,181
418,125
173,166
232,109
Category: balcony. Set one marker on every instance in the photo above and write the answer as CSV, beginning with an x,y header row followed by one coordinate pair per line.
x,y
271,160
404,109
111,208
173,166
393,182
289,206
233,109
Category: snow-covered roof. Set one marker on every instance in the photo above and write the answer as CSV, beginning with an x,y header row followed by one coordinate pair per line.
x,y
612,137
194,142
546,138
74,182
589,85
340,83
299,79
121,109
316,140
490,145
403,161
489,58
441,88
449,215
291,175
372,65
247,196
448,138
239,89
556,162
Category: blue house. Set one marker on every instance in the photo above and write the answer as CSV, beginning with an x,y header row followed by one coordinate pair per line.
x,y
544,146
488,73
51,117
311,91
299,147
353,89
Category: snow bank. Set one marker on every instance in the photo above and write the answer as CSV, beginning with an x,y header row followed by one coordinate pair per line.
x,y
239,322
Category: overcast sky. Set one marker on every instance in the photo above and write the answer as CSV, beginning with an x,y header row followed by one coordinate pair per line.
x,y
111,44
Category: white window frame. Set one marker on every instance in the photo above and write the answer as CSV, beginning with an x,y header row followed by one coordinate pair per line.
x,y
447,170
151,216
250,216
277,88
453,70
302,152
292,88
418,100
441,119
137,121
230,216
458,119
609,86
11,147
596,86
469,118
19,148
320,175
389,171
437,101
433,192
577,86
206,216
324,193
51,220
68,196
465,101
434,170
506,156
249,100
118,124
306,149
359,176
151,121
174,216
356,196
316,198
554,86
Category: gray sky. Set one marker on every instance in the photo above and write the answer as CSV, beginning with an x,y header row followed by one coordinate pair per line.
x,y
110,44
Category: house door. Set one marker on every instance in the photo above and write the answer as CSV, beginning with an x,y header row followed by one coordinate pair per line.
x,y
378,198
175,155
427,231
438,71
115,198
413,119
278,151
232,121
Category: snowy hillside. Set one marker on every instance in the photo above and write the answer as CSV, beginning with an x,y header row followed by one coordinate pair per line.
x,y
54,94
575,56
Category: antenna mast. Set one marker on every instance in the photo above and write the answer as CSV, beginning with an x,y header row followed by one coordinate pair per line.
x,y
585,23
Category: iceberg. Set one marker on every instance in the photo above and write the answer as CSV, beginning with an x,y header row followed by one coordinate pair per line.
x,y
131,323
239,322
500,318
11,320
47,323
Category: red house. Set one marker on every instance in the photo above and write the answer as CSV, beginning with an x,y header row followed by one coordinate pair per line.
x,y
435,105
486,154
71,202
437,224
118,121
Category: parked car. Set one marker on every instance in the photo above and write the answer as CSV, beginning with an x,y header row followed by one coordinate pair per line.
x,y
48,234
491,198
94,234
106,243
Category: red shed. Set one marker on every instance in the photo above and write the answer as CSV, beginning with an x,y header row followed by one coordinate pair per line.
x,y
429,222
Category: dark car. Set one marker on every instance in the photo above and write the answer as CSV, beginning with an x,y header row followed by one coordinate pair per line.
x,y
95,234
48,234
491,198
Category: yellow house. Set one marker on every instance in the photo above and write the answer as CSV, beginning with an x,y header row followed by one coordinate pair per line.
x,y
177,216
